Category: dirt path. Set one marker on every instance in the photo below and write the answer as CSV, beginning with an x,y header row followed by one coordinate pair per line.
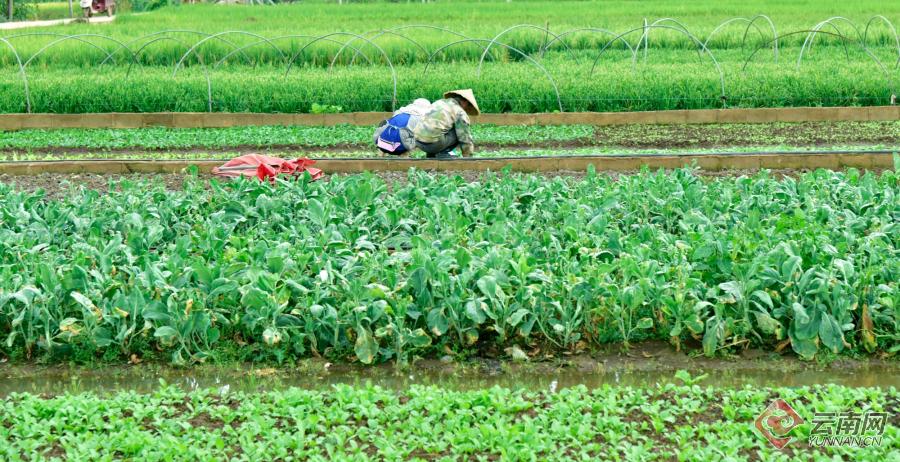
x,y
52,22
645,364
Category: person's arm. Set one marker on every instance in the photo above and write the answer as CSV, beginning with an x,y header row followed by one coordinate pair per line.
x,y
464,135
380,128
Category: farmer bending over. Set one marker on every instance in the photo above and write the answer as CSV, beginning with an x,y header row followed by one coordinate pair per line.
x,y
436,129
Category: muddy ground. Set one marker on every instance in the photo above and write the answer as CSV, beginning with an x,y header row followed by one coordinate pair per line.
x,y
644,364
717,135
699,136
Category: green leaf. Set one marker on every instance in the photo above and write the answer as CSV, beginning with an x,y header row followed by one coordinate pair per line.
x,y
82,300
767,324
830,333
800,314
419,338
790,267
474,312
517,317
763,297
732,288
645,323
275,263
419,280
488,286
711,336
254,298
271,336
317,212
806,348
366,346
165,333
438,322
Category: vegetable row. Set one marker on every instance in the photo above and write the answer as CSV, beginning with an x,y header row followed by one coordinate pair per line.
x,y
429,423
632,136
354,268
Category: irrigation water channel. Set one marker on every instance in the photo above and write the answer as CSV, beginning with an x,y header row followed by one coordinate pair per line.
x,y
643,366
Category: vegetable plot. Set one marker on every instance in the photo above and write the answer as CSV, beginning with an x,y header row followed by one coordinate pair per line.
x,y
428,423
269,136
356,268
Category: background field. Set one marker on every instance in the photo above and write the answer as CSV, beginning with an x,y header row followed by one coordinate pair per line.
x,y
132,63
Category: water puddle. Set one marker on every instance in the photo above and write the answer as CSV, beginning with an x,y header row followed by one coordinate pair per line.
x,y
483,374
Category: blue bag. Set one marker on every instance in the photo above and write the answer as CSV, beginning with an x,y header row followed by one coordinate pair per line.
x,y
391,138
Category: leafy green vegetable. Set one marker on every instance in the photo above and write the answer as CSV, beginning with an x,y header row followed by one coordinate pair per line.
x,y
264,137
354,268
367,422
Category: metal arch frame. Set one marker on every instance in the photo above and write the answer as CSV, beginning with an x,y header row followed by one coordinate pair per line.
x,y
187,45
383,54
78,37
181,31
594,29
204,40
414,26
844,38
751,22
890,25
377,34
645,35
510,29
282,37
21,72
807,43
691,36
520,52
158,39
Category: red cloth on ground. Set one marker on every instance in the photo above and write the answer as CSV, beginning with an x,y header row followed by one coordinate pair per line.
x,y
267,167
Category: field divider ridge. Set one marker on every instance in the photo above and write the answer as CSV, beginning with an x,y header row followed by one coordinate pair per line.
x,y
708,162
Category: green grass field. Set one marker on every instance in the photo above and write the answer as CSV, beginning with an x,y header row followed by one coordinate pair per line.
x,y
55,10
669,73
487,18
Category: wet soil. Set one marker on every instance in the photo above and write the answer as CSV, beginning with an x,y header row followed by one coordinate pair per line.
x,y
57,185
721,135
700,136
644,364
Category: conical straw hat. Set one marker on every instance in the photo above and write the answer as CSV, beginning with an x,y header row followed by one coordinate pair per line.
x,y
466,95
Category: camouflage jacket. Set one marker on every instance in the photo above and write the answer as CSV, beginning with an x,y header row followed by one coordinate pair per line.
x,y
445,115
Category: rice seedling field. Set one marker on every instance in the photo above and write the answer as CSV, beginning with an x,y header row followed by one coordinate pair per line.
x,y
680,314
569,56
